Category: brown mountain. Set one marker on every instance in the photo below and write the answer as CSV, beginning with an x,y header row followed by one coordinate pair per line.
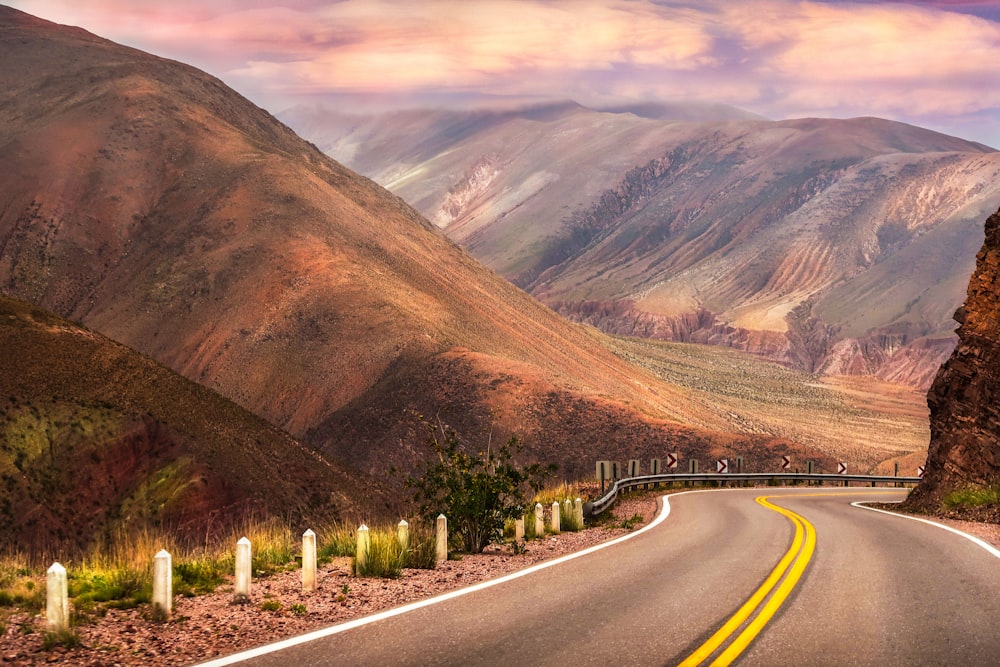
x,y
832,246
150,202
964,451
94,437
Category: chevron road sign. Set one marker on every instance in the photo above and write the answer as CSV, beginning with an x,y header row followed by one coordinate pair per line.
x,y
722,466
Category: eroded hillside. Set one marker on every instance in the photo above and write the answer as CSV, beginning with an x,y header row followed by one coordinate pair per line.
x,y
832,246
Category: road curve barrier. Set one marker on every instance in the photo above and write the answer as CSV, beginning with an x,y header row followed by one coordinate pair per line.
x,y
592,509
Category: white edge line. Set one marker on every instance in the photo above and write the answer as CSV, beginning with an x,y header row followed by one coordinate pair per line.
x,y
975,540
419,604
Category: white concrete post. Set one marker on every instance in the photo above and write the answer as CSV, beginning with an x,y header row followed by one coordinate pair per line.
x,y
403,535
554,521
308,561
243,565
567,509
163,585
539,521
519,529
361,548
57,598
441,549
578,510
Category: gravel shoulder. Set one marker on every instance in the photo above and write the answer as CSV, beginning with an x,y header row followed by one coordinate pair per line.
x,y
209,626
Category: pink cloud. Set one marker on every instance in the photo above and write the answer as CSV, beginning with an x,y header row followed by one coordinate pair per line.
x,y
779,57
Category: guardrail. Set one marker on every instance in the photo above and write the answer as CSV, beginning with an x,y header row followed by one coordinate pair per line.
x,y
608,499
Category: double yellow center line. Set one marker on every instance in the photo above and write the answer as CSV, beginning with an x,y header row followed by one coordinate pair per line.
x,y
781,582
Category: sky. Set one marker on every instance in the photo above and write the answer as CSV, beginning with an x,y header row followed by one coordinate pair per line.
x,y
931,63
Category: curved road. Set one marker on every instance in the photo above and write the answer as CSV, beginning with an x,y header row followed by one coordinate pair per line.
x,y
873,589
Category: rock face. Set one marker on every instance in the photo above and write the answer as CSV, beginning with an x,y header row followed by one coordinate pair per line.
x,y
965,412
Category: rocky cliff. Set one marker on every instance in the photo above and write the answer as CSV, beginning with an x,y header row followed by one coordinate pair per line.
x,y
964,399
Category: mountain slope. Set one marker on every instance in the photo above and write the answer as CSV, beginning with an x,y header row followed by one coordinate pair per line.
x,y
150,202
832,246
95,437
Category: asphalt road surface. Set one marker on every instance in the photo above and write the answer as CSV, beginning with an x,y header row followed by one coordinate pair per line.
x,y
750,577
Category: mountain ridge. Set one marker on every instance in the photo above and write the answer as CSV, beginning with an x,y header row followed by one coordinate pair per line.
x,y
765,225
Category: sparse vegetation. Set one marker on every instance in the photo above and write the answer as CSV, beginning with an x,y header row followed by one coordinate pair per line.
x,y
385,557
973,496
478,493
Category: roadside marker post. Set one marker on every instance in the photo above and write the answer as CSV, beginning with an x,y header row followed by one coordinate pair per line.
x,y
603,473
809,471
672,459
616,470
842,470
654,469
786,464
633,467
722,466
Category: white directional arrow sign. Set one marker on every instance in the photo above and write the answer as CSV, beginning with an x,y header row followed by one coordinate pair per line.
x,y
722,465
786,462
672,460
841,468
920,471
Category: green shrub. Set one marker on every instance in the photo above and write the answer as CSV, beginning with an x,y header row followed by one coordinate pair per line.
x,y
477,492
298,609
198,576
271,605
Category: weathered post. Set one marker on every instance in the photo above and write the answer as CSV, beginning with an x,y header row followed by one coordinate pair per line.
x,y
895,473
519,529
567,511
603,473
633,468
361,549
616,470
308,561
654,469
442,538
163,586
57,598
403,535
243,564
554,520
539,521
578,509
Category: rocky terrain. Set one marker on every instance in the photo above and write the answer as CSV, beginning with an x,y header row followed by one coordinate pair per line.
x,y
832,246
964,449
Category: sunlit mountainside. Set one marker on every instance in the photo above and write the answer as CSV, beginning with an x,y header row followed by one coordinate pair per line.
x,y
831,246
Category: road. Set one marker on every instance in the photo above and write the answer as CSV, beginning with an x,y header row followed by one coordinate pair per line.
x,y
871,589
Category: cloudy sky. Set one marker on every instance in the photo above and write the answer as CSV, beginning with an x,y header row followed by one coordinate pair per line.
x,y
931,63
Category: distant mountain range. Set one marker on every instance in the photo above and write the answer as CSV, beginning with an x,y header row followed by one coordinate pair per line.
x,y
832,246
